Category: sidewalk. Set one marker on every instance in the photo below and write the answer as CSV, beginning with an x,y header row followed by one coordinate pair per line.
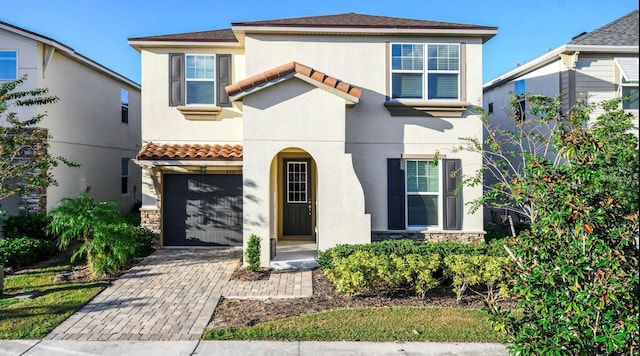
x,y
236,348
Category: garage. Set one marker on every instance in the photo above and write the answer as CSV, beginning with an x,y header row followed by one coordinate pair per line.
x,y
202,210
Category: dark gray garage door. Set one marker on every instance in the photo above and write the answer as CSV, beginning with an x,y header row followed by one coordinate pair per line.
x,y
202,210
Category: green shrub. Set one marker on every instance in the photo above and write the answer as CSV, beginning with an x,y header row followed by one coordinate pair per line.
x,y
252,252
109,243
481,274
366,270
115,247
26,224
24,251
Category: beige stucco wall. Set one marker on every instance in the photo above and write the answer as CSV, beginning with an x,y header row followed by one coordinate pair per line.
x,y
164,124
371,134
85,124
310,119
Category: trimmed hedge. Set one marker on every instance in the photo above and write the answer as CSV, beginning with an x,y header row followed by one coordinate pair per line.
x,y
367,268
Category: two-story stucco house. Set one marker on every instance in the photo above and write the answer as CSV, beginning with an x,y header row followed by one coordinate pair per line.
x,y
602,64
320,129
95,123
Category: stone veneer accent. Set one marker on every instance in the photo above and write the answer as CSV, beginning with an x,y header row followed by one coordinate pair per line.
x,y
35,199
439,236
150,218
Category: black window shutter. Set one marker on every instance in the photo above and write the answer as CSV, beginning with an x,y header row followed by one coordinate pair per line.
x,y
395,195
452,201
223,68
176,79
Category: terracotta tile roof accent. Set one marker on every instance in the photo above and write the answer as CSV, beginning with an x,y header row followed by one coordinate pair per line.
x,y
152,151
224,35
287,69
354,20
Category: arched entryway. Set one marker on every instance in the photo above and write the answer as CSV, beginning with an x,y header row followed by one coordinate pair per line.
x,y
294,188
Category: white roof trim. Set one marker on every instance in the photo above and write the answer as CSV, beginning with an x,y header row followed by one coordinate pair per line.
x,y
198,162
553,56
628,67
71,53
139,44
350,99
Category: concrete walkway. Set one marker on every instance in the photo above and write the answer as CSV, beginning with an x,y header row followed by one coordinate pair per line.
x,y
171,296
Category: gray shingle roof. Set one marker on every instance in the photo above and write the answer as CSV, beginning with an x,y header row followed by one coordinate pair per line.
x,y
621,32
225,35
353,20
350,20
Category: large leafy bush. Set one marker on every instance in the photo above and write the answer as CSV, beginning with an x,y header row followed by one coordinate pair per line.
x,y
105,239
576,270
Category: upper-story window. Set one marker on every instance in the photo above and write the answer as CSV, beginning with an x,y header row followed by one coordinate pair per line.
x,y
628,88
200,78
124,106
425,71
8,65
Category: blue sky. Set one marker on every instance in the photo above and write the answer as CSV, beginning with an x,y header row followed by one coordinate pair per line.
x,y
99,29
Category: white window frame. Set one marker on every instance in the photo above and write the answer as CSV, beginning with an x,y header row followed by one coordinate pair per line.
x,y
17,75
187,79
425,70
623,79
306,182
438,194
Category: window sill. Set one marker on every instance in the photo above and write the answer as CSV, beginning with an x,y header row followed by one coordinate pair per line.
x,y
195,112
428,108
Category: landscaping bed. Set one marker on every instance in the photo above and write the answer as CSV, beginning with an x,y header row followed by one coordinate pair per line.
x,y
247,312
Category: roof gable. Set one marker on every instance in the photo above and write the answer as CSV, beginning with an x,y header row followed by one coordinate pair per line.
x,y
267,78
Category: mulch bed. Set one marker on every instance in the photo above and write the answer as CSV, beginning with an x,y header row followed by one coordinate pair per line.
x,y
247,312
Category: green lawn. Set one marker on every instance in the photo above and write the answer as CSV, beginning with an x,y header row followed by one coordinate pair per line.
x,y
35,318
372,324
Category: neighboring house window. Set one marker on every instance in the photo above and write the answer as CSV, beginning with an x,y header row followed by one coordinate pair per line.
x,y
490,108
199,79
425,71
124,106
422,195
519,92
124,176
628,88
8,65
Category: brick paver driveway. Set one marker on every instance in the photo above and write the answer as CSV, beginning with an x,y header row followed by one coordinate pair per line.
x,y
171,295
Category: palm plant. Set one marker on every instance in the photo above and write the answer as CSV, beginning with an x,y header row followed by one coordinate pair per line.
x,y
81,219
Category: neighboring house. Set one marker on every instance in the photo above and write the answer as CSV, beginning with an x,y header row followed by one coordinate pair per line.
x,y
95,123
602,64
318,129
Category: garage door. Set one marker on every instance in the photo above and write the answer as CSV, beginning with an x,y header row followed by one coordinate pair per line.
x,y
202,210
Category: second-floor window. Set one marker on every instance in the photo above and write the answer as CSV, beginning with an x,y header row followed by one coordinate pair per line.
x,y
425,71
8,65
200,79
124,106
